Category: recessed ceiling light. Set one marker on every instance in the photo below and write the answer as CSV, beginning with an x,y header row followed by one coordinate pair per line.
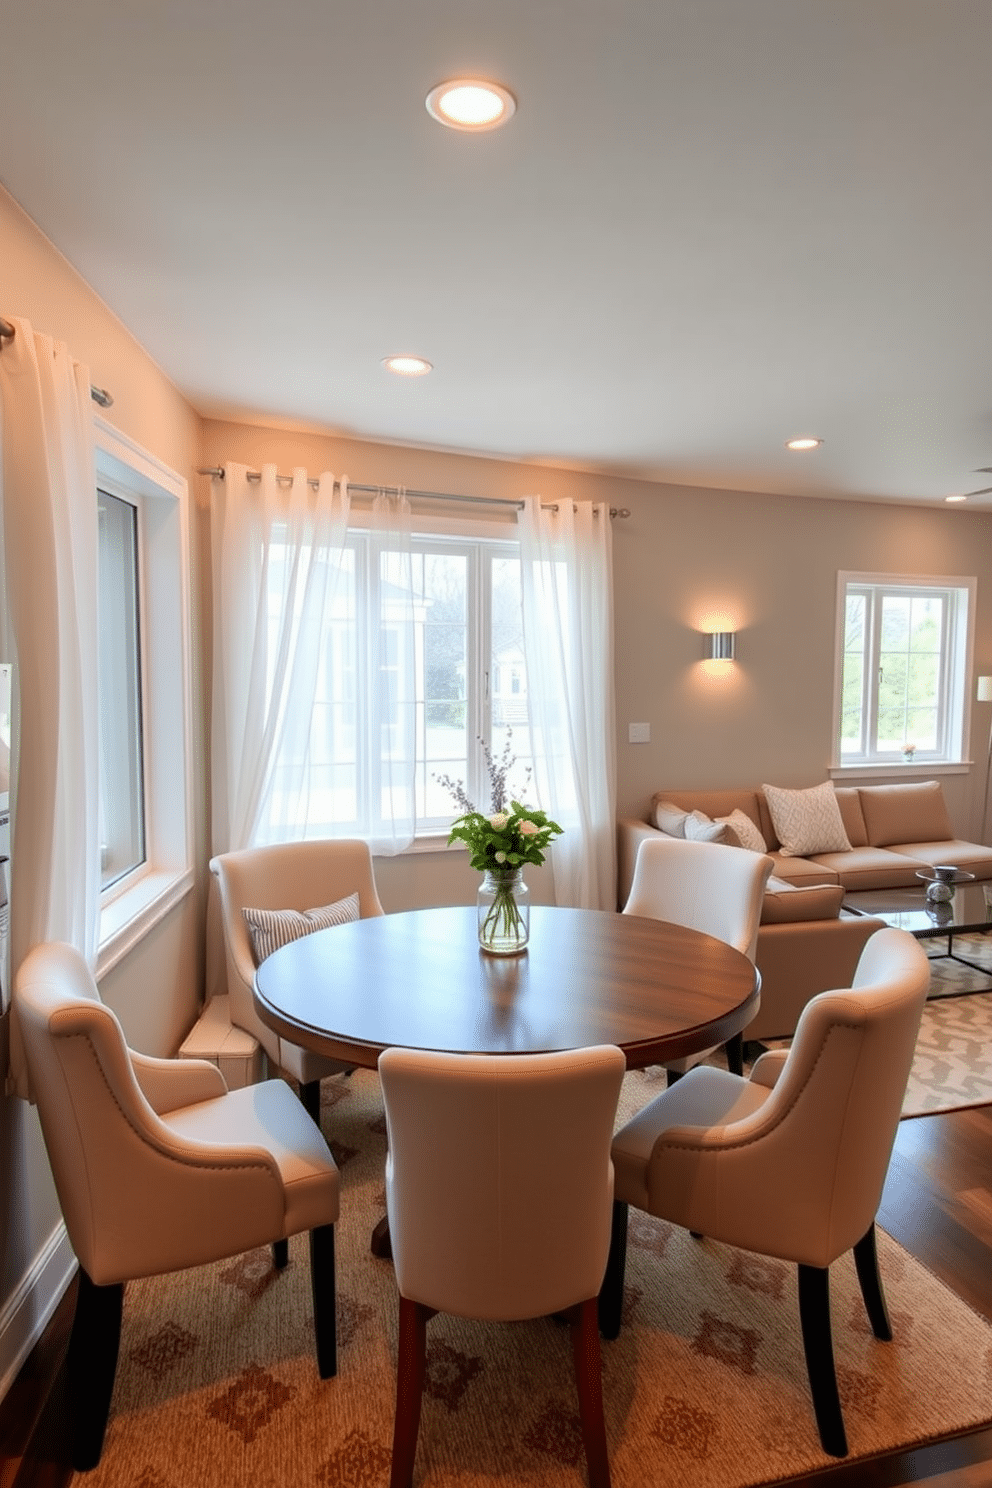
x,y
955,498
407,366
805,443
469,103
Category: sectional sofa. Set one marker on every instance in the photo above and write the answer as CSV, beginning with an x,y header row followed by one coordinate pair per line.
x,y
837,840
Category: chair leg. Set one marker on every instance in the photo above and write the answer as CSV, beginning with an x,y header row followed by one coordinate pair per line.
x,y
672,1075
280,1254
91,1364
611,1292
866,1264
814,1315
735,1054
322,1287
310,1098
589,1381
411,1369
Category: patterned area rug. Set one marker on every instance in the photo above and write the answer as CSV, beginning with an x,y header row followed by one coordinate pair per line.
x,y
217,1384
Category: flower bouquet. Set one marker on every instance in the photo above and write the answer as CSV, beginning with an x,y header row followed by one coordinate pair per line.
x,y
499,845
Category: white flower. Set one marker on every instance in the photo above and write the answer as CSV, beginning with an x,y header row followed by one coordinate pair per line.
x,y
528,828
501,857
499,821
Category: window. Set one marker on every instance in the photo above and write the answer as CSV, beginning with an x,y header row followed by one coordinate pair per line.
x,y
903,657
454,677
122,790
145,805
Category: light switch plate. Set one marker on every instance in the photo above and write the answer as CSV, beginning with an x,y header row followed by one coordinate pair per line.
x,y
639,733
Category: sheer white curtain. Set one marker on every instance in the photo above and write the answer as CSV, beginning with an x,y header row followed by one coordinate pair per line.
x,y
566,558
313,699
48,629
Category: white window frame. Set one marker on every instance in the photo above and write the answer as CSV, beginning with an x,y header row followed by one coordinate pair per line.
x,y
136,902
955,706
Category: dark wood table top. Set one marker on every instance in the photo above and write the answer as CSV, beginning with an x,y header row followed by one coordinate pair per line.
x,y
419,980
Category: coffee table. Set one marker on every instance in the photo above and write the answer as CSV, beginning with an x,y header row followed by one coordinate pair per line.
x,y
968,910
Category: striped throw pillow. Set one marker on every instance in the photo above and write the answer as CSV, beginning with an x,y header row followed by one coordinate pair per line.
x,y
271,928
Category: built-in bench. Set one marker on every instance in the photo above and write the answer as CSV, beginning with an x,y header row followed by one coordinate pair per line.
x,y
237,1054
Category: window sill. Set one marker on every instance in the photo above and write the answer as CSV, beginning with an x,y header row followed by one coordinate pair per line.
x,y
128,917
893,772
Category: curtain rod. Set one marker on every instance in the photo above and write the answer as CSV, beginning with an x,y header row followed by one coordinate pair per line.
x,y
218,472
99,395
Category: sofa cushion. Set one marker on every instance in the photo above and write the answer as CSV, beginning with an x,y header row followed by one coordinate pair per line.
x,y
868,868
849,801
802,870
788,902
741,832
914,812
973,857
807,821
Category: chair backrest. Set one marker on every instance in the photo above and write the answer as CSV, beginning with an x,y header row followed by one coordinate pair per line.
x,y
93,1112
286,875
704,886
802,1177
499,1181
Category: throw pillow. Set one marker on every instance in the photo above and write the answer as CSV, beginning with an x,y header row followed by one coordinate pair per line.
x,y
701,828
742,832
807,821
670,819
271,928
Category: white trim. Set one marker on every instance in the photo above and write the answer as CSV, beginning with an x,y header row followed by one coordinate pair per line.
x,y
29,1308
128,917
961,649
130,909
922,771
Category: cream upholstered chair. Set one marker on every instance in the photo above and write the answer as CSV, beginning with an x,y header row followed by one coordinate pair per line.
x,y
791,1162
159,1167
705,886
286,876
498,1192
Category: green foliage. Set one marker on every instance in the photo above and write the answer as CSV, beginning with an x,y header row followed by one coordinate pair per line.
x,y
505,840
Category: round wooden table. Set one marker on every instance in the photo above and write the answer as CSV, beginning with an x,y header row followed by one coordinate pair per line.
x,y
419,980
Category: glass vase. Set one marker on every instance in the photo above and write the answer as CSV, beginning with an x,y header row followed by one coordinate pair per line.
x,y
504,912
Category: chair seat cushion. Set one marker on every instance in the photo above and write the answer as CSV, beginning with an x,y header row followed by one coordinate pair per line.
x,y
703,1097
269,1115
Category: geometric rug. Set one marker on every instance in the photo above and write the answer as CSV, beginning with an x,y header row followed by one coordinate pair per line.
x,y
952,1066
217,1385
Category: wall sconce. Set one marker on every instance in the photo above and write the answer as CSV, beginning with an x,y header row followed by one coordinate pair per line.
x,y
721,645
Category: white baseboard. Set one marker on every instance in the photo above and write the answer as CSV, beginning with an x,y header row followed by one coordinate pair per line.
x,y
26,1313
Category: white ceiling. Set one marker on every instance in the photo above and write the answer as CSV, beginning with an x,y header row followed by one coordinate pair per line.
x,y
711,224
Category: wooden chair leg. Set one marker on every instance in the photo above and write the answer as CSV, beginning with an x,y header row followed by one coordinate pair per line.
x,y
866,1265
411,1368
323,1291
735,1054
611,1292
814,1315
310,1098
280,1254
91,1364
589,1381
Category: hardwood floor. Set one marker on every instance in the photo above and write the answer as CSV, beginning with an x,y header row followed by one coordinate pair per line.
x,y
937,1203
